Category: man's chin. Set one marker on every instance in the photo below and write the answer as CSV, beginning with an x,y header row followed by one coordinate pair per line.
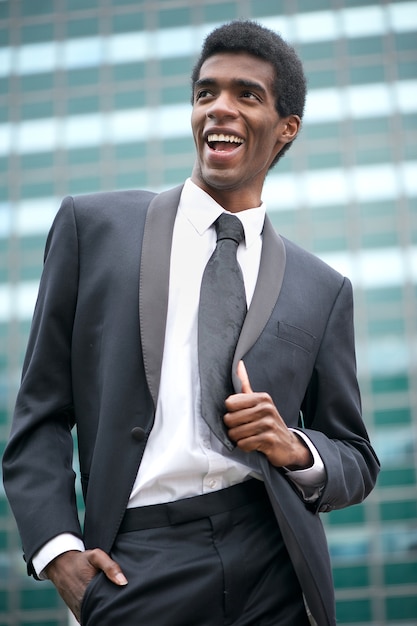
x,y
221,179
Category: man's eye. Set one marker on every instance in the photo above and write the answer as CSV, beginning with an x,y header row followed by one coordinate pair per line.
x,y
203,93
250,95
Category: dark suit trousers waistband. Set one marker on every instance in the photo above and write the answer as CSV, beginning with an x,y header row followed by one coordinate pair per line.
x,y
190,509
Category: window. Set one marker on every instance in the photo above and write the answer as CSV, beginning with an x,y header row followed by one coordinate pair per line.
x,y
87,104
363,21
267,7
349,544
364,46
82,27
360,610
28,7
36,32
37,82
38,160
128,71
128,22
129,99
398,416
366,74
355,576
83,52
37,135
221,12
35,216
317,25
175,66
36,58
403,573
399,539
75,5
398,510
33,110
79,156
83,77
169,18
348,516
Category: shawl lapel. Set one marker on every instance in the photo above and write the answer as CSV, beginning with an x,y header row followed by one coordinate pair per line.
x,y
268,287
154,282
154,286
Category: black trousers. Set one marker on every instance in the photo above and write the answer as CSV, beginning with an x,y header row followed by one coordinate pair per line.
x,y
227,568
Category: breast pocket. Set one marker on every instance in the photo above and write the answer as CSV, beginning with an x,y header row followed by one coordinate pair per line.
x,y
296,336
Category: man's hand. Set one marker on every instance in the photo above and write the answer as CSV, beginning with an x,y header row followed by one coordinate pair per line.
x,y
254,423
72,571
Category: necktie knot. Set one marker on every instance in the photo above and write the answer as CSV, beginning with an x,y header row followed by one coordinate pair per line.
x,y
229,227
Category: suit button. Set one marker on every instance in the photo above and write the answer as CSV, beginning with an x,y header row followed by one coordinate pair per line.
x,y
138,433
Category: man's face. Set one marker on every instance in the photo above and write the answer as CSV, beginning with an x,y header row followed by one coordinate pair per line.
x,y
236,128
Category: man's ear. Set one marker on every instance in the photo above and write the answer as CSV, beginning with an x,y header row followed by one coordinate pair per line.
x,y
290,128
287,130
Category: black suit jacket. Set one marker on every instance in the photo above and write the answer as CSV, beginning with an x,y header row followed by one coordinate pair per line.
x,y
94,359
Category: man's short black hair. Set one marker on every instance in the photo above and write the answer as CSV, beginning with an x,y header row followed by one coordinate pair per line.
x,y
253,38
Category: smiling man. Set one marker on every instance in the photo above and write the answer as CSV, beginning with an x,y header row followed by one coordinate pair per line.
x,y
208,365
237,128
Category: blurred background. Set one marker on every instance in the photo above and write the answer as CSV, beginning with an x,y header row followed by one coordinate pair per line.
x,y
94,95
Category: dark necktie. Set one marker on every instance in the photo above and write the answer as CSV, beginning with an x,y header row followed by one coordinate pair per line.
x,y
221,314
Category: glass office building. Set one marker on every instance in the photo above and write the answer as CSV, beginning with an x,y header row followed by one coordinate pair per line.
x,y
94,95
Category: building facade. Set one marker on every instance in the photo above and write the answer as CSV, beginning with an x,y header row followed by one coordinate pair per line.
x,y
95,95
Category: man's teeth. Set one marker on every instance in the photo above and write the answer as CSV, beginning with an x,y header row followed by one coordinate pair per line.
x,y
224,138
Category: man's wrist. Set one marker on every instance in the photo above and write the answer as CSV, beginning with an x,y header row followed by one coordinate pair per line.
x,y
304,456
310,481
64,542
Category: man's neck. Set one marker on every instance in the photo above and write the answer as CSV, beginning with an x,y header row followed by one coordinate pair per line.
x,y
232,200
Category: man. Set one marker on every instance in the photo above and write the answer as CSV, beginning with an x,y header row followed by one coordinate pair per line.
x,y
189,523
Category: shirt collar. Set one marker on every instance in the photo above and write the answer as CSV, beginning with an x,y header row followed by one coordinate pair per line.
x,y
201,211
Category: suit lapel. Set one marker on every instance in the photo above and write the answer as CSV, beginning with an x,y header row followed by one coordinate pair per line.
x,y
154,286
154,282
268,287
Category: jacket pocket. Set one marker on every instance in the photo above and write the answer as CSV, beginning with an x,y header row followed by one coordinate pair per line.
x,y
297,336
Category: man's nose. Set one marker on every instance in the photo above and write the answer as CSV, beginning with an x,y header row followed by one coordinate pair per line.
x,y
224,105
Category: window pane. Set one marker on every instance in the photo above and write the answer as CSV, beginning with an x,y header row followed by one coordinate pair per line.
x,y
90,76
393,416
28,7
351,576
36,32
221,12
358,610
82,28
33,110
173,17
128,22
398,510
400,573
128,71
40,57
37,82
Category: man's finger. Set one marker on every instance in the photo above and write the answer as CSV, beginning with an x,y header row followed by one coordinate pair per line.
x,y
244,378
101,561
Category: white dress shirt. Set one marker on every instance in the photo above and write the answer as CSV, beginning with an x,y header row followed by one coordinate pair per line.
x,y
182,457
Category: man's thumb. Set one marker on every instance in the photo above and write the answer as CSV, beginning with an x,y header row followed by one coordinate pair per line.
x,y
244,378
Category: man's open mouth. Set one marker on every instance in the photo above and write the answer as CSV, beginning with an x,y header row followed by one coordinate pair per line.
x,y
224,143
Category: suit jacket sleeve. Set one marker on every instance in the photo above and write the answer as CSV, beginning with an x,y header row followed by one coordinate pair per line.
x,y
37,464
332,412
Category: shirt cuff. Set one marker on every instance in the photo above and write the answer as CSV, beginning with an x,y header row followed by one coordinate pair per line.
x,y
53,548
310,481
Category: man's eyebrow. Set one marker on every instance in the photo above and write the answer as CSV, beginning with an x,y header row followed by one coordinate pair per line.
x,y
237,82
249,84
204,82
